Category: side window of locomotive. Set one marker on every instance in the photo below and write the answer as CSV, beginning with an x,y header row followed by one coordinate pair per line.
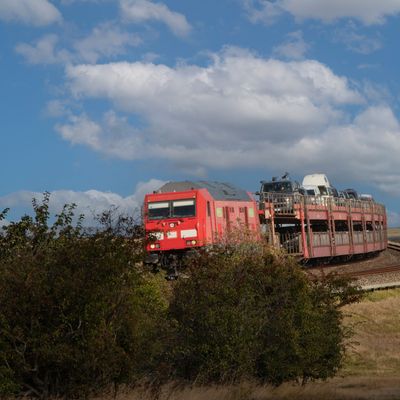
x,y
159,210
184,208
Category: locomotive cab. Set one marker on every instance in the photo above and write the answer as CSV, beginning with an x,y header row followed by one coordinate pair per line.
x,y
173,219
183,216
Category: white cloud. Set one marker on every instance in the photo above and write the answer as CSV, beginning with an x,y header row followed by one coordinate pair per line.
x,y
112,135
240,111
89,203
364,150
356,41
82,131
263,11
294,47
69,2
31,12
393,218
105,40
138,11
44,51
189,105
56,108
367,11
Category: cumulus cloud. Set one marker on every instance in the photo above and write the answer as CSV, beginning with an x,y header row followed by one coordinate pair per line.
x,y
69,2
240,111
294,47
44,51
89,203
367,11
356,41
393,219
239,96
112,135
365,150
81,130
105,40
56,108
31,12
138,11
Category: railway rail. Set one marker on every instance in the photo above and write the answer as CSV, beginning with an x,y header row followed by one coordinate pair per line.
x,y
375,271
392,283
379,278
393,245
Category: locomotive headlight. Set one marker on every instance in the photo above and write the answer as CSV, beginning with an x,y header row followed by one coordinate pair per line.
x,y
152,246
193,242
171,225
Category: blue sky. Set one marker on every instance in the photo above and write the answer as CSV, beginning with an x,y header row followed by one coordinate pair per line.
x,y
104,100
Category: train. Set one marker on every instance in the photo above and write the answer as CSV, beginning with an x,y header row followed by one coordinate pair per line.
x,y
183,216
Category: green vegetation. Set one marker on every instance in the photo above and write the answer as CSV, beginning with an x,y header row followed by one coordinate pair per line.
x,y
75,314
78,314
248,312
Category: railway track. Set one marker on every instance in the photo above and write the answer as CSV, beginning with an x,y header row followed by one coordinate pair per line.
x,y
375,271
393,245
380,285
372,271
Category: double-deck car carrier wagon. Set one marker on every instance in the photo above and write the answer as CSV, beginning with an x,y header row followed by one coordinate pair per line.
x,y
321,228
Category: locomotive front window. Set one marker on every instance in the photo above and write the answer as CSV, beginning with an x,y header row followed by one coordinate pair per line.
x,y
159,210
183,208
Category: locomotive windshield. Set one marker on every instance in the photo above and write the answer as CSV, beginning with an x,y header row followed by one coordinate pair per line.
x,y
183,208
282,187
172,209
159,210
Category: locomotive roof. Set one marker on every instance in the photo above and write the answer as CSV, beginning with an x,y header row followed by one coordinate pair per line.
x,y
218,190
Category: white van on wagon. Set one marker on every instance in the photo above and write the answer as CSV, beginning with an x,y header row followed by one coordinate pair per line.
x,y
321,182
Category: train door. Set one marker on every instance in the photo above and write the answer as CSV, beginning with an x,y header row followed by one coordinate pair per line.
x,y
211,222
227,218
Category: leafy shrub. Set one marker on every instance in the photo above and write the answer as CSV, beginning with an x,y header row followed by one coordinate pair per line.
x,y
250,312
76,312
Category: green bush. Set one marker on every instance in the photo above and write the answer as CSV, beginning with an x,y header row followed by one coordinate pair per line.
x,y
250,312
77,314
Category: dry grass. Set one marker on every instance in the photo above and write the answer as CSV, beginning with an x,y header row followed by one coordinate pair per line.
x,y
393,233
371,370
335,389
376,322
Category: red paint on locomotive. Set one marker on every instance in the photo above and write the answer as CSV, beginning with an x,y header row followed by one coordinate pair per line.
x,y
196,217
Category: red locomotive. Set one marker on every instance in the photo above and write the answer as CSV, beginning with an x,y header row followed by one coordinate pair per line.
x,y
182,216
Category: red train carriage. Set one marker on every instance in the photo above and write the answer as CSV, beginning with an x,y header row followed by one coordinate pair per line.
x,y
321,228
182,216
